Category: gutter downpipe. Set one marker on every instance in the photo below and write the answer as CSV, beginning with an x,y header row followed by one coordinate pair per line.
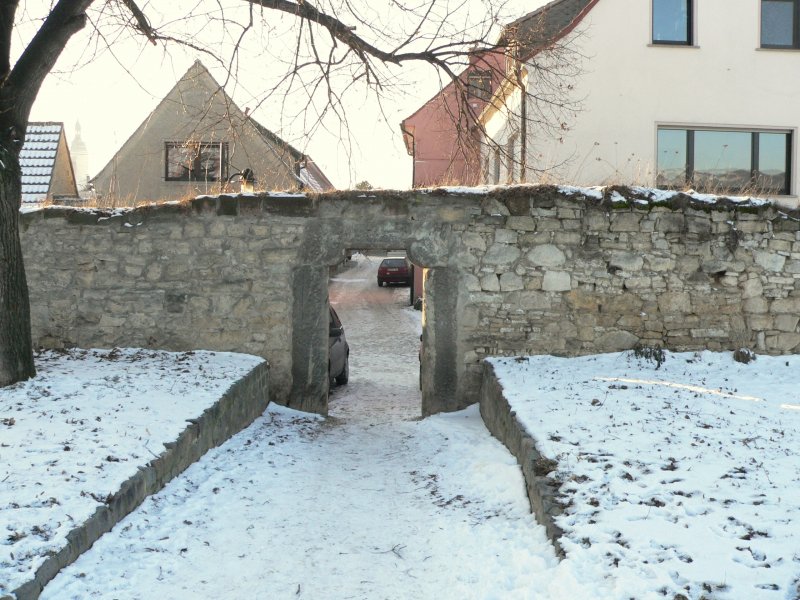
x,y
413,154
523,125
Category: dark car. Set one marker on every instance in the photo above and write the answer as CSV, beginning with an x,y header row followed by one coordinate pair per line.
x,y
394,270
339,354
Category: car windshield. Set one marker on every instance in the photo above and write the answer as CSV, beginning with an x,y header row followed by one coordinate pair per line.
x,y
394,262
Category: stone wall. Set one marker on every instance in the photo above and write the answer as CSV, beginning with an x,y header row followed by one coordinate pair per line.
x,y
520,270
166,277
571,274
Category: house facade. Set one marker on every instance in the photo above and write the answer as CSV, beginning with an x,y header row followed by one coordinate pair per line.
x,y
197,141
441,136
44,160
667,93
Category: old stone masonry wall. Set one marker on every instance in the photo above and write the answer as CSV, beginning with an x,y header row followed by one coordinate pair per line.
x,y
518,270
581,273
172,277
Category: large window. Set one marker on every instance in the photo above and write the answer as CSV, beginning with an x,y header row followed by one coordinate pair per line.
x,y
672,22
720,161
780,23
196,161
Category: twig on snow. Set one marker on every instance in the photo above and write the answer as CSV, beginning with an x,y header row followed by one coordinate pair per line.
x,y
394,550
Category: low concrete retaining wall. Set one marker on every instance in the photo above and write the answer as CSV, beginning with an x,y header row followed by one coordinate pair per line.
x,y
503,424
238,408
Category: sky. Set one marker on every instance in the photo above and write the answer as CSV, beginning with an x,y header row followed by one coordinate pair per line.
x,y
109,92
677,476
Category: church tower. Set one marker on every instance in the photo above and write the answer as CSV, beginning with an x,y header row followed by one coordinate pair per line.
x,y
80,159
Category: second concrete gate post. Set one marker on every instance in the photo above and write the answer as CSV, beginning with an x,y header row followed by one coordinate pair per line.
x,y
310,339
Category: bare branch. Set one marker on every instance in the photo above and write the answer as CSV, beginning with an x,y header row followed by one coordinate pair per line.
x,y
7,12
20,88
142,22
337,29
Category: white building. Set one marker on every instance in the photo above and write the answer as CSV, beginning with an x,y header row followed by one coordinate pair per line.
x,y
674,93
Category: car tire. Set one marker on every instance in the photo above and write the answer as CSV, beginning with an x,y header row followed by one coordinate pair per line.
x,y
380,283
343,377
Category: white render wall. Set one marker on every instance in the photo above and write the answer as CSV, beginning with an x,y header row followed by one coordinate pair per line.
x,y
629,87
505,124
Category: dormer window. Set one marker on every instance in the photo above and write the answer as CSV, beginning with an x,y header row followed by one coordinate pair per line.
x,y
672,22
479,84
780,23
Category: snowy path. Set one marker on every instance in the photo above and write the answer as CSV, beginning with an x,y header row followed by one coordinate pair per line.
x,y
371,502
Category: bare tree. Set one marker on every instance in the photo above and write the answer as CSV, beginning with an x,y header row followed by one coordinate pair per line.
x,y
528,76
543,62
329,47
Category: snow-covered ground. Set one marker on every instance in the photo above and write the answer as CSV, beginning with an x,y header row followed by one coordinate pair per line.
x,y
680,479
87,421
680,476
372,502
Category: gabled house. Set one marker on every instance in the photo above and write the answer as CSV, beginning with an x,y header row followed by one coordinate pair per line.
x,y
441,136
197,141
45,163
667,93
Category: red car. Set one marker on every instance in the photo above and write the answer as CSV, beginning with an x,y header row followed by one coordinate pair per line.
x,y
394,270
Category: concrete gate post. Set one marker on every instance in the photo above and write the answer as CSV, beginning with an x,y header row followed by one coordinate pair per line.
x,y
440,373
310,339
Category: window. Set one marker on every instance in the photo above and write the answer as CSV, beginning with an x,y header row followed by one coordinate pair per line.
x,y
511,150
496,178
479,84
724,161
196,161
780,23
487,167
672,22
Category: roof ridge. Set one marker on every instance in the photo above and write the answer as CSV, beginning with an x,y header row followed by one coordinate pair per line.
x,y
546,24
535,11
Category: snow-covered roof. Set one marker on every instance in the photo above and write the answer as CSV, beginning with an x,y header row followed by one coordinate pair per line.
x,y
308,179
37,159
308,174
312,177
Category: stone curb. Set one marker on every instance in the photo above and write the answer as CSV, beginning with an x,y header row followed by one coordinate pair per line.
x,y
502,422
238,407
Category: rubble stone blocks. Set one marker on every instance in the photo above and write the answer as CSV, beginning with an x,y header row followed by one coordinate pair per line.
x,y
536,270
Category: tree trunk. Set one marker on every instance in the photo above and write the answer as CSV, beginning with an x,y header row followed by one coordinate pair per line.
x,y
18,90
16,352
